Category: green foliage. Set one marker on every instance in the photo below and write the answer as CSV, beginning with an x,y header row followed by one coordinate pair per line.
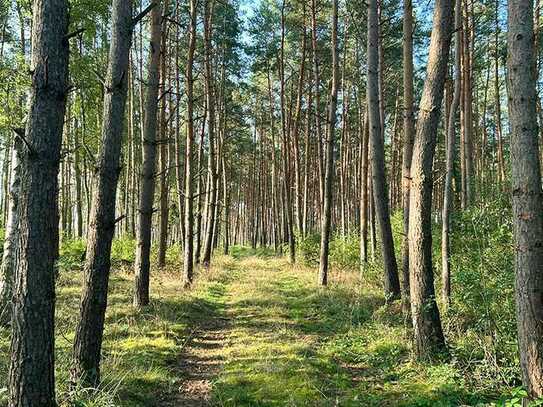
x,y
481,319
308,248
123,251
345,251
71,254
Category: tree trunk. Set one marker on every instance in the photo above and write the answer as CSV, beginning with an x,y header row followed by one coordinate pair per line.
x,y
408,140
9,256
451,150
31,380
89,331
188,256
147,192
377,149
328,178
428,334
212,168
526,187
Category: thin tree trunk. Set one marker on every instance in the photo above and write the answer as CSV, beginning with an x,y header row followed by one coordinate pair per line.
x,y
147,193
380,194
9,255
428,334
328,179
451,150
188,257
408,140
212,168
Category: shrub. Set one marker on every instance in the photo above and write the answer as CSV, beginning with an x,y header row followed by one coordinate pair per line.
x,y
123,251
72,254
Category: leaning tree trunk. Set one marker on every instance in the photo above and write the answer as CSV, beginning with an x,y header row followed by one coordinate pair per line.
x,y
427,331
89,331
377,149
188,260
147,193
31,378
329,174
451,149
9,256
527,198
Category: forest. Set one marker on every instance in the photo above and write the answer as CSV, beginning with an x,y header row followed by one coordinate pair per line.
x,y
271,203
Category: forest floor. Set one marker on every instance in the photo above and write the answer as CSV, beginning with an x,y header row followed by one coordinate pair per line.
x,y
254,331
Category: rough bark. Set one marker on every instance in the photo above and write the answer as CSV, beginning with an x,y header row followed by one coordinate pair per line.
x,y
377,150
527,197
89,331
147,192
427,331
31,379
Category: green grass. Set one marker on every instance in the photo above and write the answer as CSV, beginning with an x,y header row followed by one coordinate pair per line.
x,y
287,341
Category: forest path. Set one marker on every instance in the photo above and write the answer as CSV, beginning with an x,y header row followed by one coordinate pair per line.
x,y
264,334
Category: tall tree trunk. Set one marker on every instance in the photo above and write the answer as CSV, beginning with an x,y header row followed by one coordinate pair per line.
x,y
212,168
451,150
377,149
428,334
527,199
163,159
147,192
31,378
364,189
408,140
89,331
188,256
327,214
286,170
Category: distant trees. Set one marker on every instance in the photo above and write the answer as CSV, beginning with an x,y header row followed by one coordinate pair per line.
x,y
265,151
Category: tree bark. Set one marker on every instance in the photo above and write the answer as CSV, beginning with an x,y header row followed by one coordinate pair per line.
x,y
377,149
188,256
31,380
9,255
409,136
147,192
328,178
451,150
428,334
212,168
89,331
527,198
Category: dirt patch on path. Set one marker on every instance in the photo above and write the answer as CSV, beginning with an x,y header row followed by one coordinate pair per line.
x,y
200,362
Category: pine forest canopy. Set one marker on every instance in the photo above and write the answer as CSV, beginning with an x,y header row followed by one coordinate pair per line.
x,y
359,180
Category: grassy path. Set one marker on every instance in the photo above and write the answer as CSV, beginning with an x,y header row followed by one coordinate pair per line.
x,y
278,340
253,331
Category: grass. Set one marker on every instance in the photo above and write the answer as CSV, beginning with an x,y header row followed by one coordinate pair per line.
x,y
288,342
